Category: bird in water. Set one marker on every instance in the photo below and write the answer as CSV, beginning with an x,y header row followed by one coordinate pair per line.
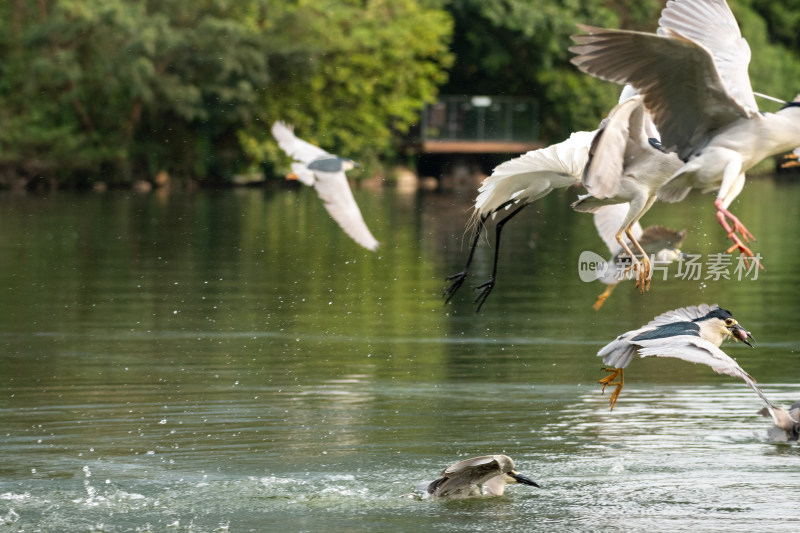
x,y
786,422
482,476
661,244
325,172
693,77
692,333
620,163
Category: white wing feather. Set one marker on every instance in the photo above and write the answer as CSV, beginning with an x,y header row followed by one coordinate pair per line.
x,y
293,146
332,187
534,174
712,24
335,193
698,350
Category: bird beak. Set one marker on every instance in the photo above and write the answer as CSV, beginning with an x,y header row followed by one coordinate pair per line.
x,y
519,478
742,334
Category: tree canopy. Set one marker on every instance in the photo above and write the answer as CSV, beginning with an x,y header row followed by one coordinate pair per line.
x,y
110,89
116,89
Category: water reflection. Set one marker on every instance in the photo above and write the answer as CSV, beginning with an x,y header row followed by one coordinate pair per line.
x,y
232,360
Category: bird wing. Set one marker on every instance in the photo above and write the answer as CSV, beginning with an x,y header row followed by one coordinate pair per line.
x,y
621,134
698,350
303,174
333,189
608,220
683,314
534,174
711,24
682,89
464,474
295,147
656,238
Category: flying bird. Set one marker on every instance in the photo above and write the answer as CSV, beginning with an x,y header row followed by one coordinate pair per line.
x,y
487,475
659,243
620,163
325,172
693,334
693,77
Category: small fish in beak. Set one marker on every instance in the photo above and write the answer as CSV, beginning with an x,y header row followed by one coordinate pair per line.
x,y
742,334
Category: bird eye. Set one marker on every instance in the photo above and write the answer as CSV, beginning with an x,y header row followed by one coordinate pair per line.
x,y
729,321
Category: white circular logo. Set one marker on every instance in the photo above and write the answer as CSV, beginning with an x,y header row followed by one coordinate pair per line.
x,y
591,266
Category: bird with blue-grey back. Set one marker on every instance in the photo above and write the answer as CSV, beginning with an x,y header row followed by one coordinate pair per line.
x,y
692,333
325,172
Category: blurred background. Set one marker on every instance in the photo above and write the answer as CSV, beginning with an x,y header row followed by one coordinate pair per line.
x,y
106,92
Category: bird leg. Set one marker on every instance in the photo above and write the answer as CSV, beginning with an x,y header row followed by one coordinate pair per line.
x,y
723,215
609,380
643,280
603,297
738,227
486,287
458,279
641,275
790,160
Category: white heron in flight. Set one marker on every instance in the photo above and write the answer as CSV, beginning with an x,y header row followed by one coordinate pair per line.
x,y
693,77
482,476
620,163
693,334
326,173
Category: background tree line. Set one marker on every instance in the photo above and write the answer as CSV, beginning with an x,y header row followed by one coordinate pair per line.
x,y
112,90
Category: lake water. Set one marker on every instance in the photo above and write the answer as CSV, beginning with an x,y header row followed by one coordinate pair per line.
x,y
231,361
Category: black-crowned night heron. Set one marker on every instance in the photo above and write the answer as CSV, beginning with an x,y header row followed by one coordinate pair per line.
x,y
692,333
660,243
786,423
693,77
326,173
620,163
487,475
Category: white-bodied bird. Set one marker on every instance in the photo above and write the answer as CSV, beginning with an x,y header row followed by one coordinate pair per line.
x,y
693,77
326,173
487,475
619,163
692,333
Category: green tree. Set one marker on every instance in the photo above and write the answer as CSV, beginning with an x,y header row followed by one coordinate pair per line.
x,y
123,88
352,75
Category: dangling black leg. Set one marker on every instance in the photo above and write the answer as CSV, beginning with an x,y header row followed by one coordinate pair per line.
x,y
487,287
458,279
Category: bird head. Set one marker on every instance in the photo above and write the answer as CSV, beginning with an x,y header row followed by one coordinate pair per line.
x,y
719,324
349,164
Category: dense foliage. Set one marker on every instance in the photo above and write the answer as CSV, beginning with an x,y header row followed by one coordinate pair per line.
x,y
111,89
116,89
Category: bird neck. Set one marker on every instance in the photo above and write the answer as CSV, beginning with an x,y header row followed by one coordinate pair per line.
x,y
782,129
713,331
